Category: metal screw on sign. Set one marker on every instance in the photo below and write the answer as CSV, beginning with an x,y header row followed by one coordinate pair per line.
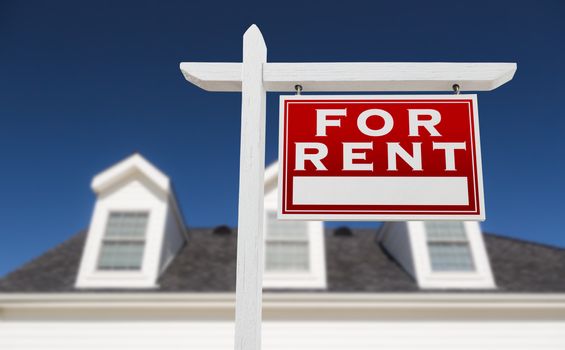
x,y
456,89
298,89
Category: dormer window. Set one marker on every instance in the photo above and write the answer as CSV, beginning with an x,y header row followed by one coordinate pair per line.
x,y
448,246
294,253
124,241
295,256
136,228
440,254
286,245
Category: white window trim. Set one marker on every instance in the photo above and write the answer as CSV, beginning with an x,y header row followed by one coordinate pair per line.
x,y
315,278
479,278
92,277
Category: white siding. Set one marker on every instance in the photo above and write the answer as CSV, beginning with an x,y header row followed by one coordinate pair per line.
x,y
326,335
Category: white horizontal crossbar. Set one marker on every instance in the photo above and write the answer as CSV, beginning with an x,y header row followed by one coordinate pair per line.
x,y
375,76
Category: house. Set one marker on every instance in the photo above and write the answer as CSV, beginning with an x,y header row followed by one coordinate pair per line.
x,y
138,278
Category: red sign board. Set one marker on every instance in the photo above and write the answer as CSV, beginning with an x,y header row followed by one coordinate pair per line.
x,y
380,158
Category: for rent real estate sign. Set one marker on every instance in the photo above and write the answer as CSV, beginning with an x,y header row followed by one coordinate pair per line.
x,y
380,158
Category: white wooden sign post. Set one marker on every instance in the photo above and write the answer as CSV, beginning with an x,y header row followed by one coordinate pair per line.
x,y
254,77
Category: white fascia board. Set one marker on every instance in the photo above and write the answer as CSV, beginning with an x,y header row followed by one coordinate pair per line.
x,y
306,300
294,306
132,164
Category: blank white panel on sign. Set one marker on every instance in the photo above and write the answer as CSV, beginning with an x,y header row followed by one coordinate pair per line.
x,y
362,190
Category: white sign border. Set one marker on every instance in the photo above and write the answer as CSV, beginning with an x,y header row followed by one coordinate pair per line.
x,y
384,217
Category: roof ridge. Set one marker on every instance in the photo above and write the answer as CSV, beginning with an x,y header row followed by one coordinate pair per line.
x,y
208,229
378,231
526,241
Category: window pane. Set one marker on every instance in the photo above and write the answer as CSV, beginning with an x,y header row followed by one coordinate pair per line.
x,y
116,255
286,230
287,256
445,231
126,225
124,241
448,246
287,245
450,256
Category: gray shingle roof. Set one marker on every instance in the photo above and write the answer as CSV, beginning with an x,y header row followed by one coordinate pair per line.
x,y
355,263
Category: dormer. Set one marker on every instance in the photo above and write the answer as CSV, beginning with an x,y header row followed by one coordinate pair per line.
x,y
440,254
294,250
136,227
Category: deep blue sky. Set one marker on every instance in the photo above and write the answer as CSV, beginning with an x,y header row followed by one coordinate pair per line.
x,y
85,83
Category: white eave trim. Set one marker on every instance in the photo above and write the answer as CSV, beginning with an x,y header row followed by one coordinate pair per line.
x,y
134,163
295,300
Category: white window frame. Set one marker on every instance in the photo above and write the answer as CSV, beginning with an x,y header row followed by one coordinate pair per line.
x,y
315,277
92,277
479,278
